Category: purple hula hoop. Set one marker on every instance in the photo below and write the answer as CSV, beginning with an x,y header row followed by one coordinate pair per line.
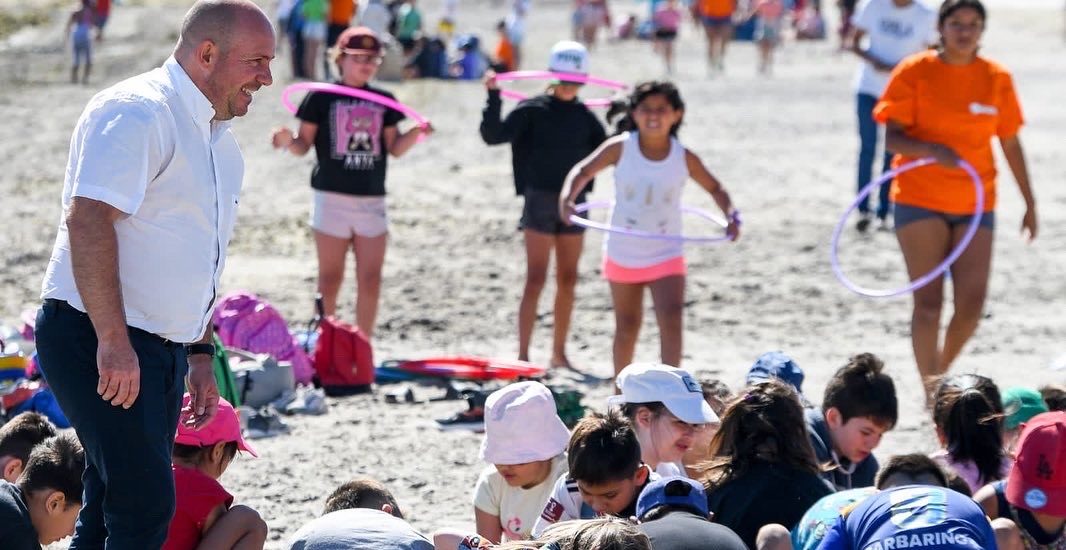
x,y
569,77
356,93
971,230
586,206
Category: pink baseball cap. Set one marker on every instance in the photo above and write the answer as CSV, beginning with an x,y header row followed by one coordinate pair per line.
x,y
224,427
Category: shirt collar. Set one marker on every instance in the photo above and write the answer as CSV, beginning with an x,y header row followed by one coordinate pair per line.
x,y
191,96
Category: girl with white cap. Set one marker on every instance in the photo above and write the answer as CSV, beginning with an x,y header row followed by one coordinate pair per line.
x,y
666,407
525,442
549,134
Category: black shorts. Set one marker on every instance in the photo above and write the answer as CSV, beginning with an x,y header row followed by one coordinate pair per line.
x,y
663,34
540,213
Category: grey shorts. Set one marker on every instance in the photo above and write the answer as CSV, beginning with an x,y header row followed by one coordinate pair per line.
x,y
344,216
540,213
905,213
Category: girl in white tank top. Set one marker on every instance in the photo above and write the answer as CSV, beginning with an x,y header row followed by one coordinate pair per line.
x,y
651,167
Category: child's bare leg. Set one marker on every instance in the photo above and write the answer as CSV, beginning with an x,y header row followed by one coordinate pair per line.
x,y
628,302
668,297
240,528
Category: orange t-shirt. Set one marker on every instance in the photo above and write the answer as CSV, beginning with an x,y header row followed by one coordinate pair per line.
x,y
717,8
960,106
505,54
341,12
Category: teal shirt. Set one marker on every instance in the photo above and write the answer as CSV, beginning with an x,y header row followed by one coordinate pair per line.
x,y
409,22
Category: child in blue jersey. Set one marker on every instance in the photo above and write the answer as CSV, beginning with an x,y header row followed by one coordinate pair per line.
x,y
917,517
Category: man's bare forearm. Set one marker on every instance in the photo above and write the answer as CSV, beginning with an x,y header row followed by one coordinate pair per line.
x,y
94,259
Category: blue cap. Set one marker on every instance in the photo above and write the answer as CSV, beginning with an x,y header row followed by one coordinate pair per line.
x,y
775,364
673,491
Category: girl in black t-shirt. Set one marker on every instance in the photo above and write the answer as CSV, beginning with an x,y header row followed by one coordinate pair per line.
x,y
549,134
352,148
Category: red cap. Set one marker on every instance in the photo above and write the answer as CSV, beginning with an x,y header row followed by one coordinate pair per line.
x,y
224,427
1037,481
358,40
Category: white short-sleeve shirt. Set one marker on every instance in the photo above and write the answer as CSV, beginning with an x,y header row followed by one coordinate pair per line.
x,y
893,33
148,146
516,507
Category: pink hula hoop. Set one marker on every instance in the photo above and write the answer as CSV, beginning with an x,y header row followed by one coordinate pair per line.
x,y
584,222
971,230
357,93
568,77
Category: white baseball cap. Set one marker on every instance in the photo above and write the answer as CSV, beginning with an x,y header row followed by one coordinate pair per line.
x,y
671,386
569,57
522,425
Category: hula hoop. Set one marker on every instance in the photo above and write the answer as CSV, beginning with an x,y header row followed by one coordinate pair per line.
x,y
971,230
357,93
568,77
586,206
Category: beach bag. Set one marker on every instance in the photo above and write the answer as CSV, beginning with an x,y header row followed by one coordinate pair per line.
x,y
343,358
246,322
259,378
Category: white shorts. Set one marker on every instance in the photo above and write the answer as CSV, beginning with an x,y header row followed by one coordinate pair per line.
x,y
343,216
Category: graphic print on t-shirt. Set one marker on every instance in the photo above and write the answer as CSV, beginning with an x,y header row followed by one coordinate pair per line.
x,y
357,133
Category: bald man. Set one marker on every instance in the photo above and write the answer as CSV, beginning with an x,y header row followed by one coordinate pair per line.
x,y
150,198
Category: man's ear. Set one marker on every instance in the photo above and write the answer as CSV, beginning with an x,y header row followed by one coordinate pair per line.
x,y
55,503
834,418
387,508
12,469
207,54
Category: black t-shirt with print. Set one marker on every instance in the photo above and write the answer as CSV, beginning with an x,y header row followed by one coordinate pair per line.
x,y
16,530
350,141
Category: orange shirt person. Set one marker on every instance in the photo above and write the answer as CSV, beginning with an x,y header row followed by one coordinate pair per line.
x,y
949,104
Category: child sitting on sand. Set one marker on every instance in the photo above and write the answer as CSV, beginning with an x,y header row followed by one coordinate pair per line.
x,y
204,517
606,474
858,407
18,438
666,408
43,506
524,441
968,415
1034,494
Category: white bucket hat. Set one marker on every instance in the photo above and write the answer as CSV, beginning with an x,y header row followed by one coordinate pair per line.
x,y
569,57
671,386
522,425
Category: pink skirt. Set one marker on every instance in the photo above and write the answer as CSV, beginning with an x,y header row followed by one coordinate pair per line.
x,y
635,275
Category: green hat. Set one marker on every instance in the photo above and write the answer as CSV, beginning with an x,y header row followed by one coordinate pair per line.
x,y
1020,404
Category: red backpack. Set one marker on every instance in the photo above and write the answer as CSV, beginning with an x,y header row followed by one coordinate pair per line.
x,y
343,359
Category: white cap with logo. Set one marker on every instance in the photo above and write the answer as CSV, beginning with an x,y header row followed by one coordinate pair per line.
x,y
569,57
671,386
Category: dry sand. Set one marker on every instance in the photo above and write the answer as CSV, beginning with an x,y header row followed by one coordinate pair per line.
x,y
784,146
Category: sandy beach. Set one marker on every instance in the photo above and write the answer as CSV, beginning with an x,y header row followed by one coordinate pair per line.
x,y
784,146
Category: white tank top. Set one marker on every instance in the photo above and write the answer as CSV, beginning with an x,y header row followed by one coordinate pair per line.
x,y
647,197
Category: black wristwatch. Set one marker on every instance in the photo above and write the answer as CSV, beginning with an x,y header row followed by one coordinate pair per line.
x,y
206,349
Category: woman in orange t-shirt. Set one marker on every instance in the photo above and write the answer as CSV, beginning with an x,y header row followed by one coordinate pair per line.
x,y
948,104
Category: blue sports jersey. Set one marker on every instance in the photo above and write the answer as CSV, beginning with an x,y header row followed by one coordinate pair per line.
x,y
913,516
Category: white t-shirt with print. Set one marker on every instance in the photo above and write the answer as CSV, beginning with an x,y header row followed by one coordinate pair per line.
x,y
893,33
517,508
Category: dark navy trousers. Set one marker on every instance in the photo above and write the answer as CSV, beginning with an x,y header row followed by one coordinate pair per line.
x,y
129,487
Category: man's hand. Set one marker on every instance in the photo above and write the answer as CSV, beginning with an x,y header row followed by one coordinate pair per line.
x,y
120,373
202,389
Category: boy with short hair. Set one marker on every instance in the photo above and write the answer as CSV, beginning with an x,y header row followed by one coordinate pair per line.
x,y
859,406
17,438
43,506
606,474
362,513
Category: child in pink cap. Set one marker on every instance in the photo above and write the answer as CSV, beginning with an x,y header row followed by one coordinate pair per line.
x,y
204,516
